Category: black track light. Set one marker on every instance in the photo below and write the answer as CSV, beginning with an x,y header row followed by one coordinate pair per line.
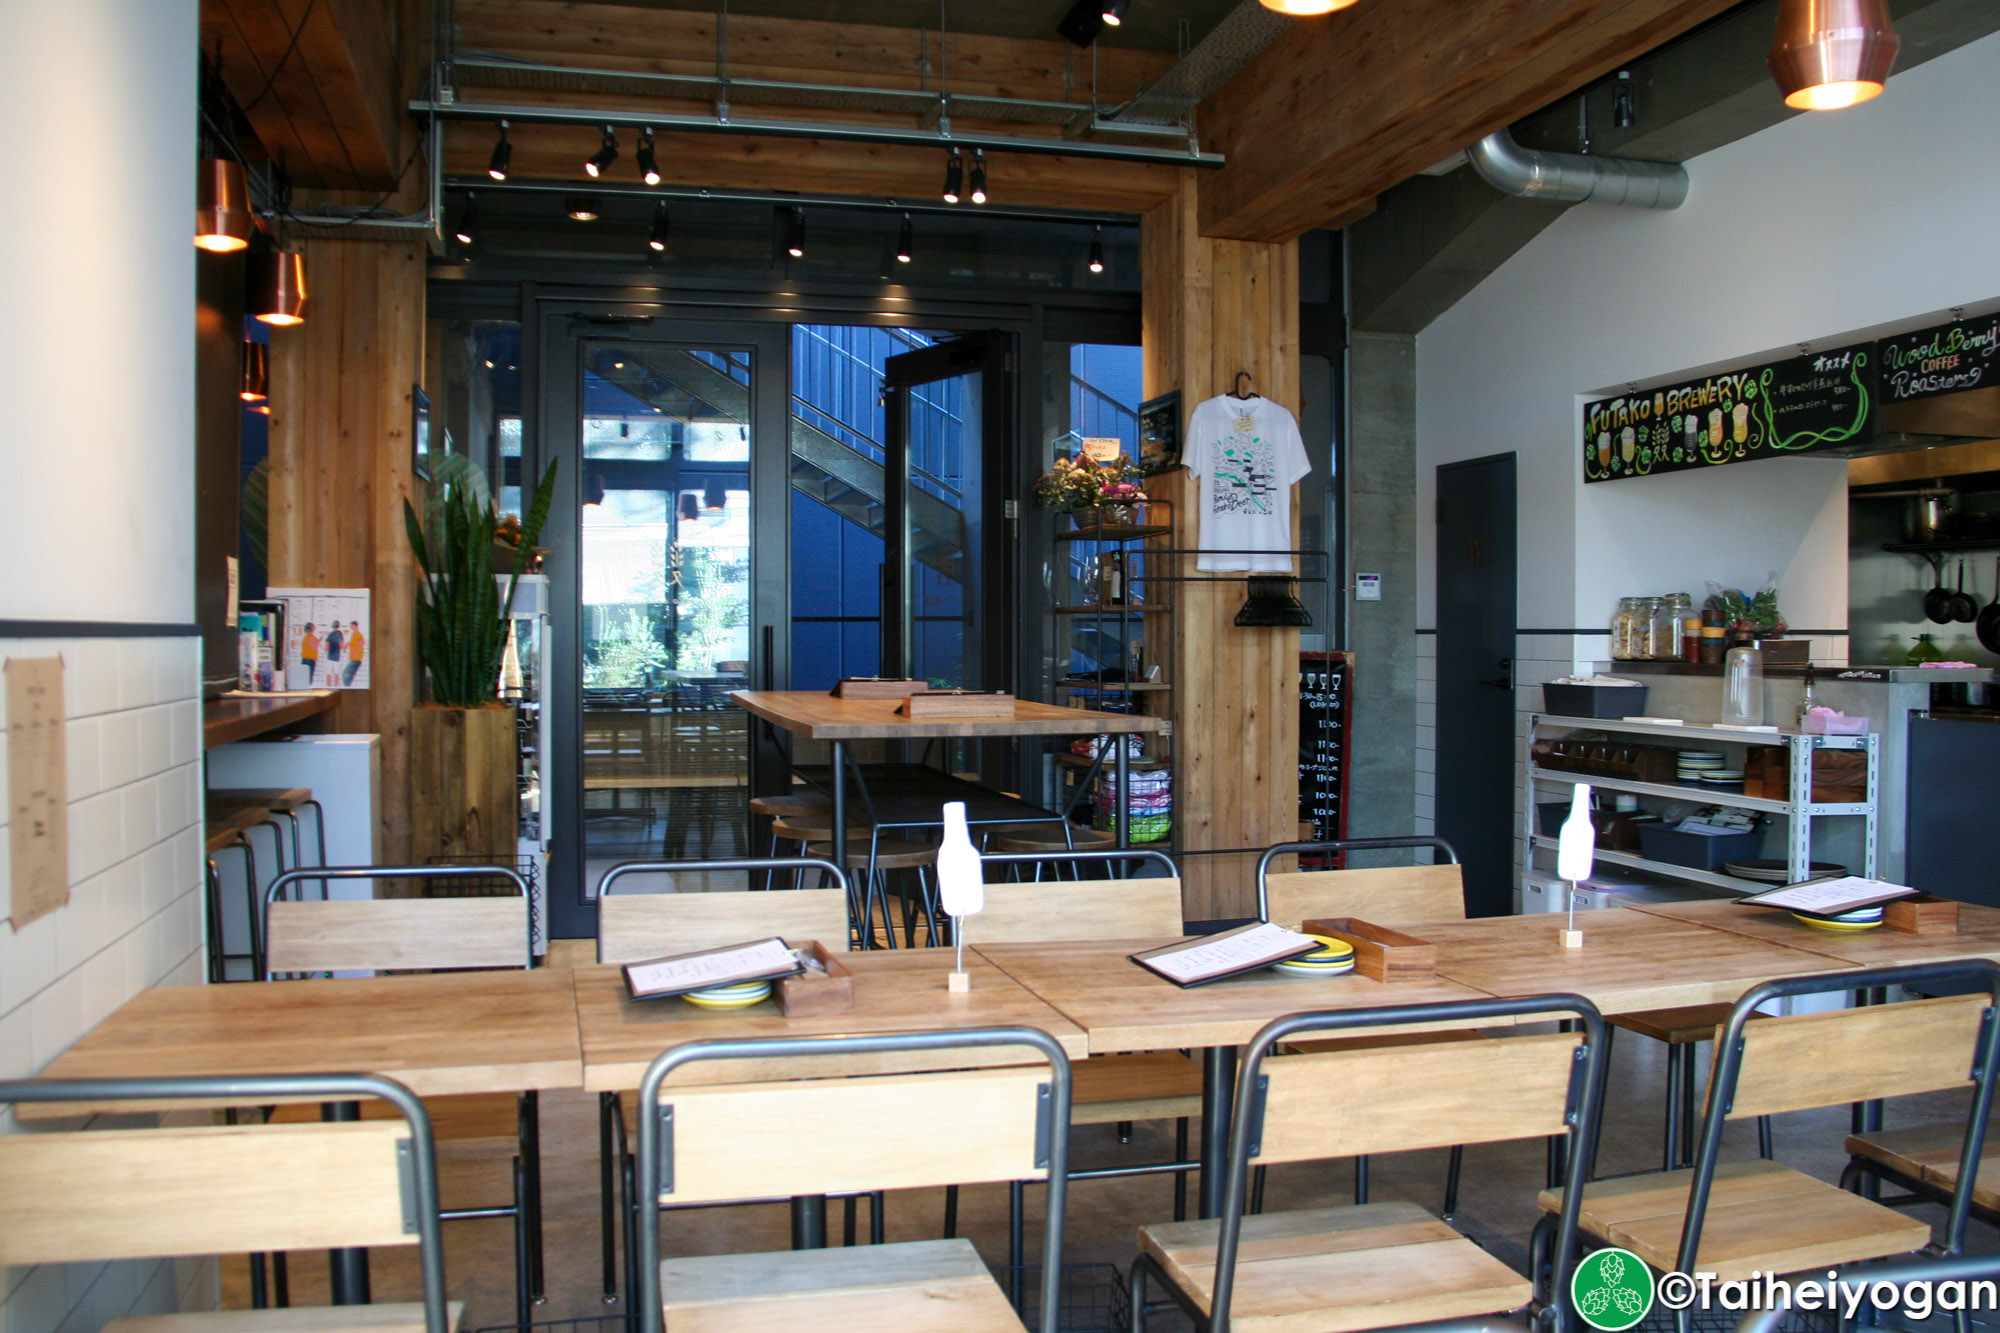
x,y
1097,249
606,154
1083,22
503,153
582,207
649,167
467,229
978,181
795,242
1624,110
1113,12
658,236
903,241
790,232
954,177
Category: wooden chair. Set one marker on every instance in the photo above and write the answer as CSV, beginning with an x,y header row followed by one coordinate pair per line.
x,y
632,927
303,936
100,1194
1736,1218
1924,1159
718,1142
1378,1265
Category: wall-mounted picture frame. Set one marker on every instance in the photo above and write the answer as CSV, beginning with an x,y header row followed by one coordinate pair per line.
x,y
420,432
1160,433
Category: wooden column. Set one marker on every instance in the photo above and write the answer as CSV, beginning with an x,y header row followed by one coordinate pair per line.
x,y
340,468
1212,308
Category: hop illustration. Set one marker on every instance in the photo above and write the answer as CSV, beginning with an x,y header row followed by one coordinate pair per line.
x,y
1627,1302
1595,1303
1612,1269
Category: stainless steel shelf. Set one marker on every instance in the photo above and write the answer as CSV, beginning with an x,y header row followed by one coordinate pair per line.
x,y
1634,861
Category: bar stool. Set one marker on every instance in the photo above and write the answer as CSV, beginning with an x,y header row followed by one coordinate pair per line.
x,y
281,803
1048,836
877,857
225,830
1681,1030
804,805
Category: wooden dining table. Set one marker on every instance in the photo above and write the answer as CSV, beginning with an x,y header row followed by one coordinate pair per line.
x,y
1977,936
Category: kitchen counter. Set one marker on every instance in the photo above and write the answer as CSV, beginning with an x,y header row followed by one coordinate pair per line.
x,y
1887,675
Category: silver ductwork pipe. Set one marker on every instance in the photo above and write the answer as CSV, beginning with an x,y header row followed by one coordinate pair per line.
x,y
1575,178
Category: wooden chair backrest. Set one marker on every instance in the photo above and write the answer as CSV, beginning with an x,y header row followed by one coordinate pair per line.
x,y
398,934
905,1131
1109,909
1803,1061
632,927
1400,1098
1385,896
88,1195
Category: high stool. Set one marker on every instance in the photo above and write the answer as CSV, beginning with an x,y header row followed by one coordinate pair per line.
x,y
1044,837
876,857
1682,1030
806,805
281,803
226,830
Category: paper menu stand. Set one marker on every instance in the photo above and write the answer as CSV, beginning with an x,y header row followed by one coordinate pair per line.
x,y
1829,897
677,974
1206,958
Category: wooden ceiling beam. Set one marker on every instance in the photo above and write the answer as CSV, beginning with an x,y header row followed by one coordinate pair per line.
x,y
1339,109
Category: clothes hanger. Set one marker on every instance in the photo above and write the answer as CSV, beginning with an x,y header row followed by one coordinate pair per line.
x,y
1237,392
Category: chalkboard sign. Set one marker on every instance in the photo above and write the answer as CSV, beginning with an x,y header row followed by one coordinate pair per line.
x,y
1949,358
1820,400
1323,694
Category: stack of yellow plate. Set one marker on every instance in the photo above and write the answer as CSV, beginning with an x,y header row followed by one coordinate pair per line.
x,y
1334,957
1861,918
730,997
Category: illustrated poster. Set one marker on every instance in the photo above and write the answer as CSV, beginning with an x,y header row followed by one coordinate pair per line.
x,y
328,638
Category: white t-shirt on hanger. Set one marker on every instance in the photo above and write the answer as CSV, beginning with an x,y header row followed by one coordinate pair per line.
x,y
1248,455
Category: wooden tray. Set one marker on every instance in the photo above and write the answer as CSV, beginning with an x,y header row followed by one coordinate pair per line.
x,y
1921,915
950,703
1380,954
815,992
870,688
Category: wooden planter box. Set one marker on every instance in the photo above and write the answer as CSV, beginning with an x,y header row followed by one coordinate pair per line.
x,y
464,802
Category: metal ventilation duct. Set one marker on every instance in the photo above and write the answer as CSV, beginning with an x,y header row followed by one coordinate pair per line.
x,y
1231,44
1576,178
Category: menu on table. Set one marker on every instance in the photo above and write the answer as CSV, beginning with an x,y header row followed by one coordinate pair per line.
x,y
756,960
1207,958
1830,897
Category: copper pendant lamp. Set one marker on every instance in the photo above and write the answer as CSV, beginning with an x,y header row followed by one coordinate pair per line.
x,y
221,206
256,373
277,283
1306,8
1832,53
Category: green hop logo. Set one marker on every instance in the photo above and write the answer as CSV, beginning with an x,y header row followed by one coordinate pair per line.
x,y
1613,1290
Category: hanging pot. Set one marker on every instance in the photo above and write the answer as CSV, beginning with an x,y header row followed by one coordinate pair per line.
x,y
1988,627
1963,608
1937,602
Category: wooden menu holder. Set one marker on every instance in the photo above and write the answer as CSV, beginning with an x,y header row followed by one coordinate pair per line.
x,y
873,687
951,703
1921,915
1380,954
814,991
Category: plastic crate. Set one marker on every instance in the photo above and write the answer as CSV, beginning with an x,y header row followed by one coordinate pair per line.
x,y
1697,851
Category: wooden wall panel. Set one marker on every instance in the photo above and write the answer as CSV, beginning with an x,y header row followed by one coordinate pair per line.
x,y
340,469
1213,308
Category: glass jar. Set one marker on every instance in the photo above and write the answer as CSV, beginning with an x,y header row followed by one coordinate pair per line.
x,y
1743,687
1670,626
1621,628
1647,635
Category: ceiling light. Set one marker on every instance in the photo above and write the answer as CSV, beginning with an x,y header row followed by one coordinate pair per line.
x,y
649,166
1112,12
979,175
1306,9
1624,110
581,207
716,496
690,506
791,231
276,284
903,235
221,206
593,488
1083,22
1097,249
503,153
256,372
468,223
954,177
606,154
1832,53
657,238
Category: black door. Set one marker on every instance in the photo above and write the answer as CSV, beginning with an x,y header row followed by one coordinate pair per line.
x,y
1475,676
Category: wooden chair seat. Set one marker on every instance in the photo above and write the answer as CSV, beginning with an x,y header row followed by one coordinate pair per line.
x,y
1047,837
1677,1027
888,853
932,1286
225,824
811,826
778,807
1328,1270
1761,1217
1929,1153
1148,1085
306,1319
269,798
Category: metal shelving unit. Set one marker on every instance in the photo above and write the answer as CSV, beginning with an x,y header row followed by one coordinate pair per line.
x,y
1798,812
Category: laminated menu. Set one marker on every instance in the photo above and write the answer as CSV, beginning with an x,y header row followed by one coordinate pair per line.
x,y
677,974
1207,958
1830,897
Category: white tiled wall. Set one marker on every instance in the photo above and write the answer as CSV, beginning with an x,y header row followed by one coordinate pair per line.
x,y
134,919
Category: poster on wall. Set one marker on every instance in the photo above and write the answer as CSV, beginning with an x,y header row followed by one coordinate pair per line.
x,y
1816,401
1323,706
327,638
1947,358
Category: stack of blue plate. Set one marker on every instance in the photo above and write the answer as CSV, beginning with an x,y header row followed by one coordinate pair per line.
x,y
1700,765
1334,957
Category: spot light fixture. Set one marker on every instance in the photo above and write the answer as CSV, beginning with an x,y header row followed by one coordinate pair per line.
x,y
606,154
503,153
1113,12
1304,9
221,206
1624,111
1097,249
581,207
903,241
978,176
276,286
954,177
649,166
256,372
657,238
1083,22
715,497
468,223
1830,54
792,230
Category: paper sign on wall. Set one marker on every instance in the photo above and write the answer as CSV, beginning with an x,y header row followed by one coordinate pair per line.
x,y
327,638
37,788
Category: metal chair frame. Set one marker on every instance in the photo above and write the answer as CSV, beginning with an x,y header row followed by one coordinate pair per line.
x,y
650,1157
1584,1116
326,1088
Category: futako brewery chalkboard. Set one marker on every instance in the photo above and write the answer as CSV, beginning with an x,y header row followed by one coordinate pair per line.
x,y
1820,400
1949,358
1323,695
